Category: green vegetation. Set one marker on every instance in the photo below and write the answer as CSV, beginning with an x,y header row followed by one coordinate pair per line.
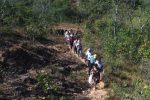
x,y
34,16
118,31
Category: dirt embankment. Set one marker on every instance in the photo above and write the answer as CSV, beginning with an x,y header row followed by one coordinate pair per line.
x,y
22,60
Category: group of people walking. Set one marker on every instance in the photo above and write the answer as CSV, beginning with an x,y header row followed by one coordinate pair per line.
x,y
94,63
72,38
95,66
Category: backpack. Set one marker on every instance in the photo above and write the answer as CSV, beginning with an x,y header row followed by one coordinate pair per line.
x,y
100,65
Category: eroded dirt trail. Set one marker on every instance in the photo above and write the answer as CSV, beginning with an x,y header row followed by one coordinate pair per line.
x,y
23,61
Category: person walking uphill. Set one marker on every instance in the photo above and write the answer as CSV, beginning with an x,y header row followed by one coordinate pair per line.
x,y
66,36
79,50
76,43
87,56
100,67
91,62
71,40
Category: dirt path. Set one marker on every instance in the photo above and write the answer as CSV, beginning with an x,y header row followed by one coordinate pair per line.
x,y
100,93
55,60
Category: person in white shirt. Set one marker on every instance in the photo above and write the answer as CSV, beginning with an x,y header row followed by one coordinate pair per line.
x,y
91,80
87,56
67,36
74,45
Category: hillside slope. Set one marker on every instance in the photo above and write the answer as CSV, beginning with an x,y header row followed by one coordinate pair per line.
x,y
44,69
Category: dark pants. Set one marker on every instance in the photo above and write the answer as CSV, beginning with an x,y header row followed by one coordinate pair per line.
x,y
75,49
96,77
79,52
71,45
88,63
91,65
100,70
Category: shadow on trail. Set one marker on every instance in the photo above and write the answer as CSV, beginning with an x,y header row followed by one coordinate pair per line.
x,y
20,60
73,81
75,87
17,58
70,66
17,55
